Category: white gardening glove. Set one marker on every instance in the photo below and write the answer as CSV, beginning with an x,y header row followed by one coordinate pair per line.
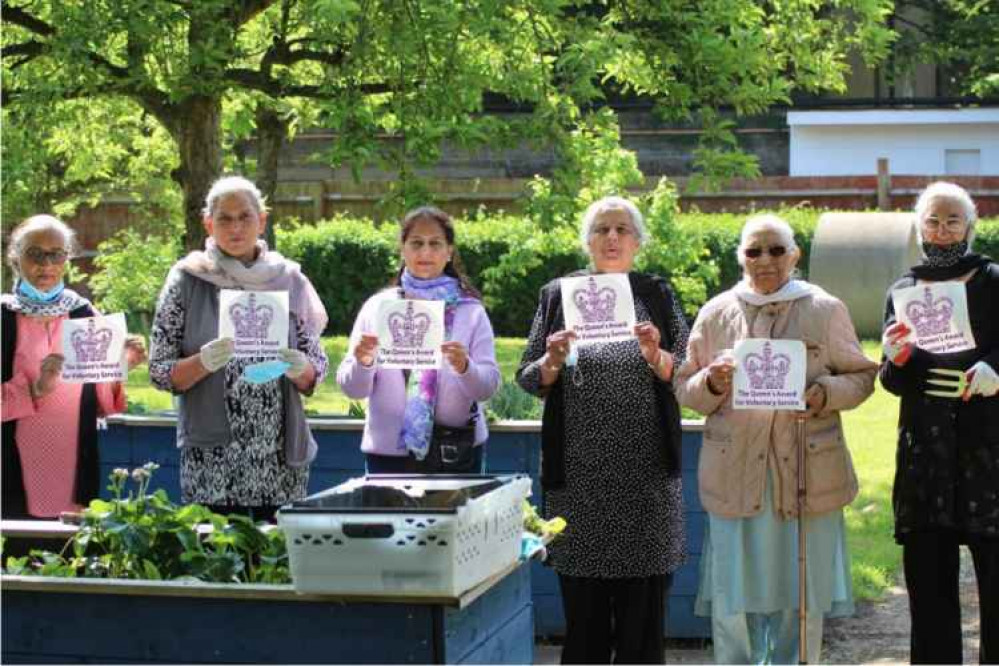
x,y
297,361
216,353
982,380
896,343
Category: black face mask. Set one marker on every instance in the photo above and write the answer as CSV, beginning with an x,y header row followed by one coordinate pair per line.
x,y
944,255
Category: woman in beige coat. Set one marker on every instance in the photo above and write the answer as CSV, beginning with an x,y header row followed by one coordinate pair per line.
x,y
748,464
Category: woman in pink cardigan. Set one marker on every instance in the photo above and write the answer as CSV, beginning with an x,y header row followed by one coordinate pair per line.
x,y
431,420
50,460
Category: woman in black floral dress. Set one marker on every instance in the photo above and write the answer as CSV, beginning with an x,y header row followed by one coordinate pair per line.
x,y
245,447
611,454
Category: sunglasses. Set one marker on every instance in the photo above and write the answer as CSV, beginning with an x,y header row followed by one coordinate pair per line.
x,y
41,257
757,252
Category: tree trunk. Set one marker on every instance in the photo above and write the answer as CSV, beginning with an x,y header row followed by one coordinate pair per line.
x,y
198,133
271,130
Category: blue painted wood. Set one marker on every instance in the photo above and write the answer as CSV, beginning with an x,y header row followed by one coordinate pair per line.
x,y
339,458
86,627
98,628
512,644
473,629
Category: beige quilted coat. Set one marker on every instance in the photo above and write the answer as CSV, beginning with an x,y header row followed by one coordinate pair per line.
x,y
740,447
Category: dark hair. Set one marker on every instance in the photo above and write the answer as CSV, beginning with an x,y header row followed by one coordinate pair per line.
x,y
453,267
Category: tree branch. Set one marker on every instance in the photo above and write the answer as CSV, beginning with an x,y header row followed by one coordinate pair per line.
x,y
26,51
255,80
18,16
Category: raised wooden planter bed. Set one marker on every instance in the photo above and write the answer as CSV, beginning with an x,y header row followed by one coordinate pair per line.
x,y
514,446
56,620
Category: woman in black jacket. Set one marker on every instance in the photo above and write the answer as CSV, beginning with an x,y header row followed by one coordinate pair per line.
x,y
611,453
946,490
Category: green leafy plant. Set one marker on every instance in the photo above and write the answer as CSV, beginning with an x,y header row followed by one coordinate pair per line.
x,y
132,269
143,535
512,402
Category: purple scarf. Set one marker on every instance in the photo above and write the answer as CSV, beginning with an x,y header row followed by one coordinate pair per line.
x,y
418,420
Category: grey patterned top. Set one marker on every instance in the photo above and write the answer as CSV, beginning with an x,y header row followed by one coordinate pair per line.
x,y
251,470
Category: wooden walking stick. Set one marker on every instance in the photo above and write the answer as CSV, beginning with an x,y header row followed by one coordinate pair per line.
x,y
802,550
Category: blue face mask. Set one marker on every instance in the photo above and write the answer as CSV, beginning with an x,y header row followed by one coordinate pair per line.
x,y
268,371
573,356
29,291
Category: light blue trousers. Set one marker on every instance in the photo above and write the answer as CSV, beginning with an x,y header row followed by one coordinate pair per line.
x,y
764,638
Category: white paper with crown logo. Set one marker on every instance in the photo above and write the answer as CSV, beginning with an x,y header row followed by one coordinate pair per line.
x,y
94,349
256,320
769,374
410,333
598,308
937,314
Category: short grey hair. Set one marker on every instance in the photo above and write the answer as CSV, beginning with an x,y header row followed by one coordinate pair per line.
x,y
951,191
604,205
759,223
19,237
229,185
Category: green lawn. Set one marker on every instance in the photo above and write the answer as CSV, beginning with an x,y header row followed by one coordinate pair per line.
x,y
870,432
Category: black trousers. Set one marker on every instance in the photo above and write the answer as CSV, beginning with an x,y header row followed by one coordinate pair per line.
x,y
932,565
623,618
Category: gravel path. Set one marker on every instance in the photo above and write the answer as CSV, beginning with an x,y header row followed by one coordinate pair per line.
x,y
879,632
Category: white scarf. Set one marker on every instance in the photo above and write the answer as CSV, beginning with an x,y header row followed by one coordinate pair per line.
x,y
791,291
269,271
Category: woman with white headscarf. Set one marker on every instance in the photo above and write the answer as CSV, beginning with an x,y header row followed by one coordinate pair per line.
x,y
748,470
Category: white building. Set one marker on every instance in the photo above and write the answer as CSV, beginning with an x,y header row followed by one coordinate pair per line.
x,y
924,142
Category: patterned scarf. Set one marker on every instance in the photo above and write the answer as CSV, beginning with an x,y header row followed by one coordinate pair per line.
x,y
270,271
63,304
944,256
421,400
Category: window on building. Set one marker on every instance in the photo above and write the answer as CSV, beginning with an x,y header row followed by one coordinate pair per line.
x,y
962,162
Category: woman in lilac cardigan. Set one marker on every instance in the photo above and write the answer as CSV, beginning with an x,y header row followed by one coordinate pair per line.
x,y
411,413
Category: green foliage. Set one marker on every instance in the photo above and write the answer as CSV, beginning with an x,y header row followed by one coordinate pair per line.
x,y
512,402
680,253
132,269
347,261
987,238
398,81
145,536
958,36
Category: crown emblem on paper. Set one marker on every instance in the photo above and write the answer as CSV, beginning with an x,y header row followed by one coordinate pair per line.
x,y
251,320
595,305
767,370
408,329
930,316
92,344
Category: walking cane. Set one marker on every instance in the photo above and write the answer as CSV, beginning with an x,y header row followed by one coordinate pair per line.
x,y
799,422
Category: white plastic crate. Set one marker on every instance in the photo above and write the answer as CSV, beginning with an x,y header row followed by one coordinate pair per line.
x,y
433,550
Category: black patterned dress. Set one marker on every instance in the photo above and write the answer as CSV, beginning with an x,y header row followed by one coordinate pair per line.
x,y
250,470
624,513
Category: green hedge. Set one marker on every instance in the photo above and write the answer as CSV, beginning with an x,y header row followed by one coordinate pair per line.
x,y
509,259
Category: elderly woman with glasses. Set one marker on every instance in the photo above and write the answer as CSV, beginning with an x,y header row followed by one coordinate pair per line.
x,y
245,446
748,471
611,452
946,489
50,462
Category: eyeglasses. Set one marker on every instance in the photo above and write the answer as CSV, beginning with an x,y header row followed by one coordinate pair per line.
x,y
757,252
620,229
41,257
953,225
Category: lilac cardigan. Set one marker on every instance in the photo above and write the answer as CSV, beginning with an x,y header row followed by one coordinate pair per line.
x,y
386,391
